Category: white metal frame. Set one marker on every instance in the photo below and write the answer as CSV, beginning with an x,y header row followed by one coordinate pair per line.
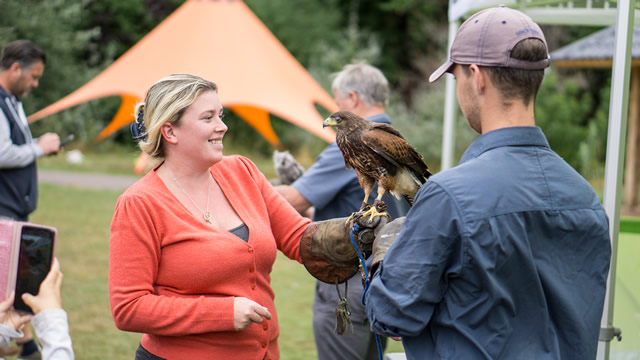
x,y
602,13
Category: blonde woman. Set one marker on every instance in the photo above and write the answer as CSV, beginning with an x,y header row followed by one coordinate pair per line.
x,y
193,242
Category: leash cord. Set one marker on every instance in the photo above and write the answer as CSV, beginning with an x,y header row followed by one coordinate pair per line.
x,y
356,228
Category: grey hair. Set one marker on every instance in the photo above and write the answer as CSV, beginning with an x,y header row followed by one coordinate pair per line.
x,y
365,80
166,101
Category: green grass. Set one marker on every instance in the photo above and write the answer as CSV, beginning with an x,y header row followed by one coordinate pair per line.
x,y
119,161
626,314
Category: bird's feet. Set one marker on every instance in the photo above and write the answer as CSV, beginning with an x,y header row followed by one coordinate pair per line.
x,y
377,209
365,206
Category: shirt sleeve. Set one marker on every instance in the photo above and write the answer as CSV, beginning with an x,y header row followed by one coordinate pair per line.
x,y
7,334
52,329
325,178
413,276
134,257
15,156
287,225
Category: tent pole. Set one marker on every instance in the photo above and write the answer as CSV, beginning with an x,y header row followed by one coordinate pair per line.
x,y
618,113
448,129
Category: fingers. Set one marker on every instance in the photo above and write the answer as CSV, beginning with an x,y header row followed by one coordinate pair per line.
x,y
29,300
54,277
10,317
49,293
49,143
247,311
262,312
5,305
20,320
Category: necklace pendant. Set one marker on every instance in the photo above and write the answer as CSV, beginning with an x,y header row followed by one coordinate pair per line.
x,y
207,217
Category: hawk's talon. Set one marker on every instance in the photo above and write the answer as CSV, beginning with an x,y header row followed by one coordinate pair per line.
x,y
348,222
358,214
373,212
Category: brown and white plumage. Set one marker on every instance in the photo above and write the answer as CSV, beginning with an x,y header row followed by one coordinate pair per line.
x,y
378,152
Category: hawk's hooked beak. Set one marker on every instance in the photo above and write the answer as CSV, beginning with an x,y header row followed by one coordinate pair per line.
x,y
329,122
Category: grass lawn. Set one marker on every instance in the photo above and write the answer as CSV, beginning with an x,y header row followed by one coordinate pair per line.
x,y
626,313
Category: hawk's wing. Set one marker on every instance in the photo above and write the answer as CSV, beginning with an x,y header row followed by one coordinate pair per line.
x,y
389,143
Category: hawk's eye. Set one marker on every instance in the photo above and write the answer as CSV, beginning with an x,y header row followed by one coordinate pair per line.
x,y
338,119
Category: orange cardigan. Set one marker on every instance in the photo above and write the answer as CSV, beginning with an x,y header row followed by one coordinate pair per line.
x,y
174,278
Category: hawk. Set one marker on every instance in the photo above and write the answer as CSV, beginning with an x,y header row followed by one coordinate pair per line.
x,y
377,152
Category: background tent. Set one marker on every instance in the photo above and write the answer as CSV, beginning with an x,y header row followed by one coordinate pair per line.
x,y
622,14
222,41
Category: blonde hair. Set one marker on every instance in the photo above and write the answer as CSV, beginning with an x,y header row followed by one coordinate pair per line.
x,y
166,101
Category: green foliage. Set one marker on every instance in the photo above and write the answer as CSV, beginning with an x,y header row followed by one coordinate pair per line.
x,y
574,121
406,39
122,23
53,26
320,21
422,125
389,34
412,36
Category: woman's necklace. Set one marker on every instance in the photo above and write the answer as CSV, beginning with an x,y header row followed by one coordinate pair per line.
x,y
205,214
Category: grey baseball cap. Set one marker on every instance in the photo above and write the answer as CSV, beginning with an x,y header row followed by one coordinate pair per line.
x,y
487,38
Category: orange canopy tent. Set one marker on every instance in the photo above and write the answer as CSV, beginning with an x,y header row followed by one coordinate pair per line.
x,y
222,41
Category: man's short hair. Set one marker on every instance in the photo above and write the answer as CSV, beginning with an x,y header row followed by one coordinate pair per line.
x,y
365,80
23,52
517,83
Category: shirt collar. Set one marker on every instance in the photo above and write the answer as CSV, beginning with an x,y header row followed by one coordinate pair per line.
x,y
380,118
14,99
510,136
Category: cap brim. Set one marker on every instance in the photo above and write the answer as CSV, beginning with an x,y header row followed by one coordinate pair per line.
x,y
440,71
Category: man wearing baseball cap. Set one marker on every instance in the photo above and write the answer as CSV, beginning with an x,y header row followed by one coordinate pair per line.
x,y
506,255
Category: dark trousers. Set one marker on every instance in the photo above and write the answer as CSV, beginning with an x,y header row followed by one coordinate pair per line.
x,y
143,354
361,345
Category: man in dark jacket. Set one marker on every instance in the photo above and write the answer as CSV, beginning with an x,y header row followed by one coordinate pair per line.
x,y
21,66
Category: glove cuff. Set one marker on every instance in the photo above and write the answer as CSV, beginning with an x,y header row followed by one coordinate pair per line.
x,y
327,253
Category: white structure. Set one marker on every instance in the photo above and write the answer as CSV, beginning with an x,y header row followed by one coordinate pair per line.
x,y
579,12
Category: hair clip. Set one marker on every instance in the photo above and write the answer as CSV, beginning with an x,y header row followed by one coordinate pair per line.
x,y
138,130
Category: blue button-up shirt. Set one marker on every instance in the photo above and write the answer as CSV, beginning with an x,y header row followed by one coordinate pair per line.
x,y
505,256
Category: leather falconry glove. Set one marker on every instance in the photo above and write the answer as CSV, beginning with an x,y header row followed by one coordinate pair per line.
x,y
385,237
326,249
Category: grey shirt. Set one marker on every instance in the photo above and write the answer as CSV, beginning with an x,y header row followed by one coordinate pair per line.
x,y
11,155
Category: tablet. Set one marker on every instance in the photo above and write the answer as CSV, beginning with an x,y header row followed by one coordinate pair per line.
x,y
26,254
